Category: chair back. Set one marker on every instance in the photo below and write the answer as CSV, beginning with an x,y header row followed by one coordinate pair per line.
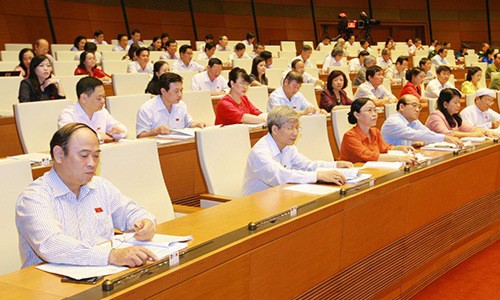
x,y
187,78
286,54
307,89
69,84
259,97
115,66
10,93
66,55
130,83
200,106
17,47
9,55
390,109
471,58
313,141
223,154
340,124
112,55
134,168
274,77
432,105
15,176
36,123
8,65
469,99
280,63
65,68
60,47
124,108
288,46
243,63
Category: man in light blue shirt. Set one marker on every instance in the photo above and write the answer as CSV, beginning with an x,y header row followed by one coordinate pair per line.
x,y
404,128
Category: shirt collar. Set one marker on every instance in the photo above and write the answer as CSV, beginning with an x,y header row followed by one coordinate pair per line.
x,y
272,144
61,189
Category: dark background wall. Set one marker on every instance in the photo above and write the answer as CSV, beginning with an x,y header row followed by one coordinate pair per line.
x,y
274,20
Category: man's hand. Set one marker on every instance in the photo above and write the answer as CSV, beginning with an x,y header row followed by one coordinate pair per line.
x,y
162,130
309,110
453,140
495,124
134,256
144,230
116,130
331,176
344,164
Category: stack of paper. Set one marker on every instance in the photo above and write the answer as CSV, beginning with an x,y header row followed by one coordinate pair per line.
x,y
443,146
349,173
80,272
161,245
474,139
383,165
32,157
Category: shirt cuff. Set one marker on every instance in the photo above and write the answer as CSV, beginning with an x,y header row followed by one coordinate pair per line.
x,y
99,255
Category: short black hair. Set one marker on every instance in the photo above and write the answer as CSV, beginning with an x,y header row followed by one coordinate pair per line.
x,y
363,53
166,79
266,54
371,71
63,135
423,61
334,74
306,48
209,46
250,35
401,59
78,39
214,61
184,48
209,37
90,47
441,50
442,68
98,33
169,42
120,35
293,76
87,85
356,107
235,73
140,50
295,61
240,46
135,31
471,72
413,72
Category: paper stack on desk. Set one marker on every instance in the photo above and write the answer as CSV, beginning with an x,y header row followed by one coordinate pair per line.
x,y
383,165
161,245
444,146
80,272
32,157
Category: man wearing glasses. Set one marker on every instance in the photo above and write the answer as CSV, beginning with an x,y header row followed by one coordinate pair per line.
x,y
404,128
480,114
274,160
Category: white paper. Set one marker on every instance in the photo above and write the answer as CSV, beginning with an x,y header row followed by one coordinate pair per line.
x,y
313,189
33,157
80,272
175,136
163,142
349,173
359,178
474,139
383,165
161,245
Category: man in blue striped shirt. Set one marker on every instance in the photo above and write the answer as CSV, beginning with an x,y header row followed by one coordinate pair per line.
x,y
68,215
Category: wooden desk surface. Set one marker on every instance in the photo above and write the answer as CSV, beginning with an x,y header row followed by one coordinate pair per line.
x,y
406,230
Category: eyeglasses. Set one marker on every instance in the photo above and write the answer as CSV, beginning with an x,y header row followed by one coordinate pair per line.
x,y
415,105
292,129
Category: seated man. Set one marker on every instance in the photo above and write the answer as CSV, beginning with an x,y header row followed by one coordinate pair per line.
x,y
396,72
404,129
142,63
298,66
135,38
42,48
171,52
305,54
207,52
68,215
435,86
208,39
223,46
334,59
440,58
99,38
426,64
373,88
186,62
364,46
360,78
494,67
288,95
165,111
268,57
122,45
90,111
210,80
356,63
274,159
239,52
384,61
480,114
257,50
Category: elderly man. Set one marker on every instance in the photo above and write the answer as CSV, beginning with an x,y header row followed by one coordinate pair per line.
x,y
274,159
186,62
404,128
373,88
288,95
68,215
223,46
494,67
440,58
396,72
480,114
333,60
305,54
90,111
210,79
166,111
384,61
257,50
298,66
42,48
360,78
435,86
122,45
171,51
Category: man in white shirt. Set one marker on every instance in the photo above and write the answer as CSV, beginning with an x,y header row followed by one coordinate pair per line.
x,y
208,51
135,38
122,45
68,215
384,61
166,111
435,86
239,52
360,78
305,54
298,66
99,38
356,63
249,40
42,48
411,46
405,129
480,114
274,160
373,88
258,49
426,64
222,46
90,111
351,41
288,95
171,52
208,39
211,79
440,58
397,72
364,45
186,63
334,59
142,64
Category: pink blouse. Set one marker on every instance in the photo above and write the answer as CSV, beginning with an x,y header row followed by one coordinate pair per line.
x,y
437,123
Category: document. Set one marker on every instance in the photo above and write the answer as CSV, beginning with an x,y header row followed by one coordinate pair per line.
x,y
80,272
444,146
359,178
184,133
32,157
383,165
349,173
161,245
313,189
474,139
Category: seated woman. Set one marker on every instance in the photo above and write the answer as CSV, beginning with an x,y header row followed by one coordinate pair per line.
x,y
159,68
334,96
446,119
364,141
130,56
462,52
258,74
235,108
156,45
415,77
471,83
79,43
40,85
25,57
88,66
488,57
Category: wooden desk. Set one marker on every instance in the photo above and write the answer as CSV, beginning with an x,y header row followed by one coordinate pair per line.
x,y
386,241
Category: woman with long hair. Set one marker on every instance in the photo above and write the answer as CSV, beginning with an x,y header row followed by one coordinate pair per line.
x,y
159,68
88,66
25,57
258,73
41,84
